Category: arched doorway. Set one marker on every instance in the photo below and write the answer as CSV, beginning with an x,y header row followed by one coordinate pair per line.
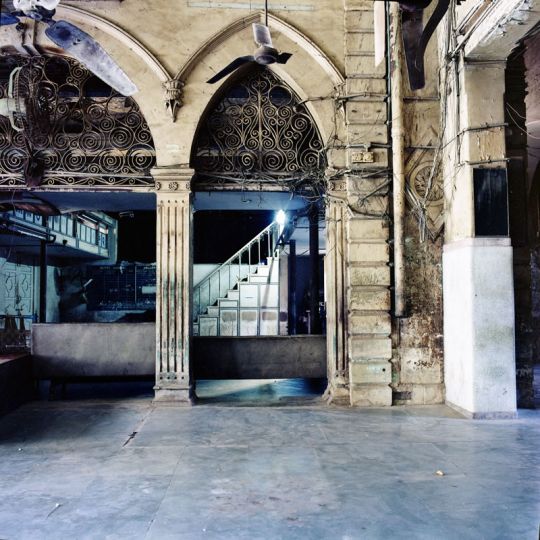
x,y
258,159
75,181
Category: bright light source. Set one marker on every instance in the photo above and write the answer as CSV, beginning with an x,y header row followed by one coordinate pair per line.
x,y
281,218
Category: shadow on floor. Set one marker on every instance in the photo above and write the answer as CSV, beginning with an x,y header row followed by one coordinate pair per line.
x,y
107,390
261,392
250,392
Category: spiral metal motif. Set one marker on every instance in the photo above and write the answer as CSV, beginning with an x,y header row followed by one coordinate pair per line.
x,y
259,130
94,131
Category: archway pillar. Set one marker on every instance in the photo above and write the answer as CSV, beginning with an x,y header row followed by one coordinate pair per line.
x,y
336,297
479,347
357,274
173,300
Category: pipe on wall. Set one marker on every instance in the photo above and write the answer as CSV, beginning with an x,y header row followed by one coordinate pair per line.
x,y
398,156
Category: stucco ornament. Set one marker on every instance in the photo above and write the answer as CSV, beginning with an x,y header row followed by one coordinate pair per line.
x,y
174,92
423,184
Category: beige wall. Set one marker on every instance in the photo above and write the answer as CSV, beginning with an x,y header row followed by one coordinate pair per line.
x,y
333,69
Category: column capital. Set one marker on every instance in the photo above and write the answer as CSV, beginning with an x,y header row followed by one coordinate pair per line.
x,y
173,179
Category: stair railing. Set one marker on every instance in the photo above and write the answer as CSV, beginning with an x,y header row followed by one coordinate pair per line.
x,y
236,268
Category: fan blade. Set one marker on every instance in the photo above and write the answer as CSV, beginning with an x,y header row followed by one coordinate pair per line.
x,y
412,30
24,200
7,18
283,58
261,34
235,64
48,4
436,17
90,53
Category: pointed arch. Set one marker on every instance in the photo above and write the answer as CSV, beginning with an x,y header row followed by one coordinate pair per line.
x,y
83,134
310,74
274,22
81,15
143,68
257,132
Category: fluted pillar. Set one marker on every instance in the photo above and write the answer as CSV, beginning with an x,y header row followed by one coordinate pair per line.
x,y
173,299
335,291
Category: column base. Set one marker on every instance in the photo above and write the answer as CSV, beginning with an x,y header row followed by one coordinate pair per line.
x,y
371,395
174,396
479,327
336,395
490,415
337,391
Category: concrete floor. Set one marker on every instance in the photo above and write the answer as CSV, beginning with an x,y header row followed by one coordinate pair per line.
x,y
108,469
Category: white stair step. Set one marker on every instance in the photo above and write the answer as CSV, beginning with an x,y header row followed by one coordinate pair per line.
x,y
256,278
269,269
228,322
227,303
195,329
233,294
208,326
262,270
212,311
249,295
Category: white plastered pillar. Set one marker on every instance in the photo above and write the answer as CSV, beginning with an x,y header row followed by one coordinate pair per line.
x,y
477,271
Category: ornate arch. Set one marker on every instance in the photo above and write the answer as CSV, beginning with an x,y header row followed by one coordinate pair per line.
x,y
257,133
78,14
90,135
175,87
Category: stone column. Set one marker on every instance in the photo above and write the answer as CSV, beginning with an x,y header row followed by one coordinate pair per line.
x,y
335,282
368,301
479,363
173,288
365,253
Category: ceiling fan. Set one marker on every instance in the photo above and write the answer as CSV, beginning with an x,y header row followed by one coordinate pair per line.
x,y
264,55
29,105
30,101
73,40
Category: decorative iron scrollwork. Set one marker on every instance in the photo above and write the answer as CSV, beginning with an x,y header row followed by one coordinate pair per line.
x,y
259,132
96,137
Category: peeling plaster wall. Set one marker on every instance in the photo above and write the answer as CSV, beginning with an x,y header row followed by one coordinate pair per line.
x,y
520,220
532,105
418,356
417,360
532,126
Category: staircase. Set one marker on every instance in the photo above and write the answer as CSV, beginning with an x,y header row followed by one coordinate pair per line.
x,y
241,297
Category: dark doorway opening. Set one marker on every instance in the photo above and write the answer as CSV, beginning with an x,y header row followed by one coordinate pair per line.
x,y
244,344
87,268
522,98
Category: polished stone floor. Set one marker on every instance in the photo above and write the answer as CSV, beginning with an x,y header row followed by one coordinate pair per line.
x,y
124,468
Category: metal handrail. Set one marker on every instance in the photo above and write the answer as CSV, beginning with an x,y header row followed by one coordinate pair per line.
x,y
200,303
